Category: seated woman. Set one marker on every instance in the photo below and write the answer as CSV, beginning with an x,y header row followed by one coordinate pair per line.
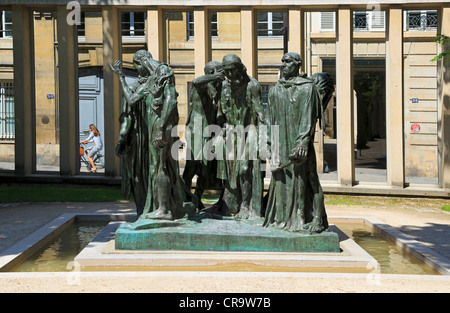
x,y
94,136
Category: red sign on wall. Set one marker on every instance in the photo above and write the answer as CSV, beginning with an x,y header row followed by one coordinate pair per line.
x,y
415,128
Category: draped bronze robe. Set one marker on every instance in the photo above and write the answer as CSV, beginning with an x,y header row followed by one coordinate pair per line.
x,y
294,106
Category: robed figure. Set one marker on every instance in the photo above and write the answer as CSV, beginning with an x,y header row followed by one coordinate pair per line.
x,y
295,196
201,123
151,172
240,169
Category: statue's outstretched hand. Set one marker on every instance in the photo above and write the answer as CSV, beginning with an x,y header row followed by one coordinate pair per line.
x,y
116,67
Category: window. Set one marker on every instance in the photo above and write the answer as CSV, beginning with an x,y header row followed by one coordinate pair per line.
x,y
378,20
6,111
368,21
421,20
6,24
327,21
265,94
360,21
81,28
270,23
214,24
133,23
190,25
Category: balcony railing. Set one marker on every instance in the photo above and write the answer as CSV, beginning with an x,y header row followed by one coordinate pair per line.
x,y
7,129
420,20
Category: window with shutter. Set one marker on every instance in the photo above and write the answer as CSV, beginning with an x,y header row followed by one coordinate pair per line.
x,y
327,21
369,21
378,20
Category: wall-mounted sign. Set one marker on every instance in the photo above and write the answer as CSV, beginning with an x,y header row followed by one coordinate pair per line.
x,y
415,128
415,100
50,96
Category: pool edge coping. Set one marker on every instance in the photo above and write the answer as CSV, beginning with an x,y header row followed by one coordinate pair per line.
x,y
15,254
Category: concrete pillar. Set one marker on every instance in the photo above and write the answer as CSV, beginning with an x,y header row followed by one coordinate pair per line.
x,y
344,95
155,33
202,40
112,43
24,97
68,94
395,152
297,44
249,45
297,34
444,103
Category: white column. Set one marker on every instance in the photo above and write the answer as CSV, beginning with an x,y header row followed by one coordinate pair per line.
x,y
155,33
202,40
249,44
395,154
344,94
297,34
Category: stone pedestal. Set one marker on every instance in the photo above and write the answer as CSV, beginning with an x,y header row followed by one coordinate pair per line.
x,y
226,234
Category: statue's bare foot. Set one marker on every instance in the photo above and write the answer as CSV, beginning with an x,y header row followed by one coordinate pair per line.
x,y
314,227
297,225
160,214
244,213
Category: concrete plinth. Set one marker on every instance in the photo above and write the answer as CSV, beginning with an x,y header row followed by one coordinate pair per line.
x,y
225,234
101,254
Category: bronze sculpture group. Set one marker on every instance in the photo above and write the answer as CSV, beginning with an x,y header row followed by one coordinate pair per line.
x,y
229,99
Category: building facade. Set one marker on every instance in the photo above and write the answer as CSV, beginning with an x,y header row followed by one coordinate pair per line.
x,y
387,124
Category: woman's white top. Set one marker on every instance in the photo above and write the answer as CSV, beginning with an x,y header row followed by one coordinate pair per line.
x,y
96,139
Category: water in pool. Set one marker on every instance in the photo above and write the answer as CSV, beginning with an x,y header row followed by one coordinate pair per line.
x,y
58,254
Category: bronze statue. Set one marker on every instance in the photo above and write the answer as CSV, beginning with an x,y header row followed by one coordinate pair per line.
x,y
203,112
295,197
241,108
149,114
132,145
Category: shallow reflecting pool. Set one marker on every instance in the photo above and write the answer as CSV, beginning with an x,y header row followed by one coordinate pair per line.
x,y
392,258
58,255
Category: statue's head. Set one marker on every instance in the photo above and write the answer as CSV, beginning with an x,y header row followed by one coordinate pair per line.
x,y
234,69
212,67
140,59
291,64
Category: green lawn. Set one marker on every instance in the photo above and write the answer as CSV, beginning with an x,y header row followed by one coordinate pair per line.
x,y
88,193
63,193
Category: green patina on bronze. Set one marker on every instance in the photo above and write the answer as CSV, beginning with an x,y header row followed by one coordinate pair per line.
x,y
203,112
225,234
292,217
149,113
295,198
240,106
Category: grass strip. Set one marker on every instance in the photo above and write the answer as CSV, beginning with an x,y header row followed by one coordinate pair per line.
x,y
36,193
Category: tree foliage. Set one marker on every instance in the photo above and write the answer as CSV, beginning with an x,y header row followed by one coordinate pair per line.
x,y
444,41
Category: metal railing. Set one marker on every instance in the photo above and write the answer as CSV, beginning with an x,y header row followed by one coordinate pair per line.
x,y
361,21
7,129
421,20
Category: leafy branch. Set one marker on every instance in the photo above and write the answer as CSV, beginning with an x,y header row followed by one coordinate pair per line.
x,y
443,41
